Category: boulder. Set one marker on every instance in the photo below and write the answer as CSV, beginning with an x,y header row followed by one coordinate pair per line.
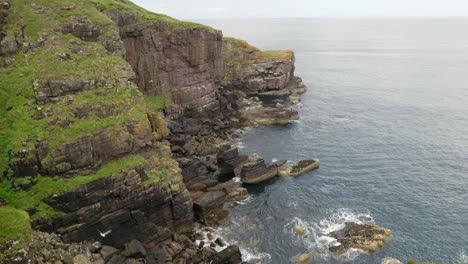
x,y
107,252
117,259
299,230
81,259
366,236
134,248
230,255
208,208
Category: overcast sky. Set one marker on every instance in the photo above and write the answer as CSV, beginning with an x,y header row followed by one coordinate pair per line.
x,y
191,9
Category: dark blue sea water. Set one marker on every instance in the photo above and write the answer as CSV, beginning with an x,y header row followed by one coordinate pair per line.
x,y
387,114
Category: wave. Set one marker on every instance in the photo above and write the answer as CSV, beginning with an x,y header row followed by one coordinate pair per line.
x,y
249,254
316,236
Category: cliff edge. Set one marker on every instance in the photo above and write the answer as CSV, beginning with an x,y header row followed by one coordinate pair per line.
x,y
106,109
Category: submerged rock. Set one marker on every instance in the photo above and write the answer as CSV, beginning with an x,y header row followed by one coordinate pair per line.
x,y
302,258
299,230
367,236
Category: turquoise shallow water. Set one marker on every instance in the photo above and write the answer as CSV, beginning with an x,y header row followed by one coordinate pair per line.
x,y
387,114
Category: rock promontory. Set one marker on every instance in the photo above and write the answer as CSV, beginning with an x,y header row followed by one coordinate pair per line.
x,y
111,118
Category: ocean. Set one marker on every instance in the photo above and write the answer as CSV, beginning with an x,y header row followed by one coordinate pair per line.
x,y
387,115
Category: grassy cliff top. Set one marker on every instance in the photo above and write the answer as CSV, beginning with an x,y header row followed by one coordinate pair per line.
x,y
239,55
147,16
253,54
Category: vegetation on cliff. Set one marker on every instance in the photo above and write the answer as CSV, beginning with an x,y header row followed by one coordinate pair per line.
x,y
147,16
238,55
64,82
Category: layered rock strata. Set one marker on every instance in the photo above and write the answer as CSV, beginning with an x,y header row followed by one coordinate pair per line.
x,y
183,64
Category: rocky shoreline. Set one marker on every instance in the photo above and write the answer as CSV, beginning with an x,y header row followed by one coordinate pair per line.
x,y
150,172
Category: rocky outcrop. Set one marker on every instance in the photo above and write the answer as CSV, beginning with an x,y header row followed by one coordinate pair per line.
x,y
131,204
8,43
268,116
183,64
255,72
299,168
366,236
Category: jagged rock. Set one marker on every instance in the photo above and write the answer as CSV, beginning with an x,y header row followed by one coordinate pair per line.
x,y
95,247
233,190
229,159
81,259
182,63
388,260
83,29
117,259
366,236
230,255
208,208
255,170
134,249
220,242
107,252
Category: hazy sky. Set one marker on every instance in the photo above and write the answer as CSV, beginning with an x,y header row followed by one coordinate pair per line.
x,y
191,9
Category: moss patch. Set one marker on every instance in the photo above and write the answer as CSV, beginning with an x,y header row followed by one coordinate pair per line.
x,y
156,103
160,176
14,225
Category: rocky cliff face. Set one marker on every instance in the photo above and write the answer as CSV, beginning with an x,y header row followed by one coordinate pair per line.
x,y
184,64
84,149
250,70
81,151
146,201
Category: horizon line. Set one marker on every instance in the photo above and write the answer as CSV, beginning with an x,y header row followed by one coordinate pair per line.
x,y
328,17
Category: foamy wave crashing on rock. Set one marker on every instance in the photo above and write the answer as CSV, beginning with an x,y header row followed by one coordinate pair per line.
x,y
209,235
316,236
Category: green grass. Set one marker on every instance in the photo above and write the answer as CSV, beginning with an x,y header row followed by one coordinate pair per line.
x,y
156,103
279,54
147,16
47,186
14,224
160,176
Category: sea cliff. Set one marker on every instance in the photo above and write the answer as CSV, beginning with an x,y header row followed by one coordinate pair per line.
x,y
110,119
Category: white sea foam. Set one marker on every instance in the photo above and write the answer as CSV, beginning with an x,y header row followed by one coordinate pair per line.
x,y
249,254
236,179
317,235
462,258
254,257
274,160
240,144
337,220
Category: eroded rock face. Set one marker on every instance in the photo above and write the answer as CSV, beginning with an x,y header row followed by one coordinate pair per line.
x,y
119,207
83,29
366,236
184,64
